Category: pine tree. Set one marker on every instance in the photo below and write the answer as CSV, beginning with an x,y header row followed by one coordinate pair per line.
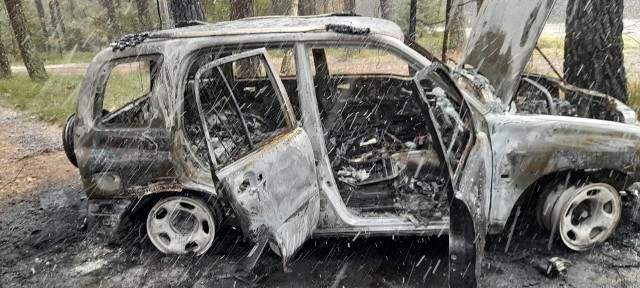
x,y
593,56
32,62
188,10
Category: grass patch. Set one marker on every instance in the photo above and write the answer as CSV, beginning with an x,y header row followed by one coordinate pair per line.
x,y
51,101
57,58
634,92
432,42
54,100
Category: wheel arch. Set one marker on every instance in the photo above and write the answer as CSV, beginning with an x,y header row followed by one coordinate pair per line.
x,y
532,194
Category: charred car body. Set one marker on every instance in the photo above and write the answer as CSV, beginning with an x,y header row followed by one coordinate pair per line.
x,y
328,126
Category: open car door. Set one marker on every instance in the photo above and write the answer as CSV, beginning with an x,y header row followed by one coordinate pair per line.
x,y
465,152
260,159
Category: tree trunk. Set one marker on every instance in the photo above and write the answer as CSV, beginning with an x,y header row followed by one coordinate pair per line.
x,y
20,31
593,56
54,18
5,66
350,5
457,34
286,67
306,7
445,34
54,23
111,14
142,7
385,9
413,7
240,9
42,18
59,14
190,10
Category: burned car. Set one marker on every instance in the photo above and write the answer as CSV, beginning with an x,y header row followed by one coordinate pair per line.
x,y
337,126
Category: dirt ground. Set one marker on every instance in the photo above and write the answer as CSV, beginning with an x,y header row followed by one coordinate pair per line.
x,y
43,242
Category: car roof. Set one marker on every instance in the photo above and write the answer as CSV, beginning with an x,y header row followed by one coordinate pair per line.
x,y
287,24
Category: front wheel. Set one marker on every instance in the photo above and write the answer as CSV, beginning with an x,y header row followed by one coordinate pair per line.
x,y
584,216
180,225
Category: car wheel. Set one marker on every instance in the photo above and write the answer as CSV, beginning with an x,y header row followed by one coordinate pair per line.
x,y
67,139
180,225
584,216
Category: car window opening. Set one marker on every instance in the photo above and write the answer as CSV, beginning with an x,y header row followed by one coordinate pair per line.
x,y
381,152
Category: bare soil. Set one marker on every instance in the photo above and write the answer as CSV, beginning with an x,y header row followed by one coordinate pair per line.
x,y
43,242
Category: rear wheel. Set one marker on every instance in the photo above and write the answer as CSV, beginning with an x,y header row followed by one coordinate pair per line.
x,y
180,225
584,216
67,139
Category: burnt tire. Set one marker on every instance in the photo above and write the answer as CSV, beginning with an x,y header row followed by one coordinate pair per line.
x,y
67,139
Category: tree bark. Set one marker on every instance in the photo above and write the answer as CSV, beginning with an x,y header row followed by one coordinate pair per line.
x,y
142,7
350,5
286,67
111,14
479,4
189,10
5,66
306,7
240,9
593,55
54,18
42,18
457,34
63,29
34,65
385,9
413,6
447,26
54,23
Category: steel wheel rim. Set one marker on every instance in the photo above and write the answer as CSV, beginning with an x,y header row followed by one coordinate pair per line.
x,y
180,225
586,216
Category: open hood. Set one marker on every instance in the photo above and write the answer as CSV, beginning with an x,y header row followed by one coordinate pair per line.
x,y
502,40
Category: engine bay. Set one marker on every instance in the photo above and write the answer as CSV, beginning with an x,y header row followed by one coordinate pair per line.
x,y
542,95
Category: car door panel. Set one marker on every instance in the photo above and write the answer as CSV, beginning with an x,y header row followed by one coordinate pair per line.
x,y
274,191
273,187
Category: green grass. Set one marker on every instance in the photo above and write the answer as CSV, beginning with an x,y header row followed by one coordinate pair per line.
x,y
125,87
51,101
634,93
431,41
57,58
55,99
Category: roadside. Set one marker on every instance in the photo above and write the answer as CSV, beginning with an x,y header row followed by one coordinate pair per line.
x,y
61,69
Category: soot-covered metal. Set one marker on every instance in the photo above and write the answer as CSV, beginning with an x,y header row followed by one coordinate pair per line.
x,y
364,136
